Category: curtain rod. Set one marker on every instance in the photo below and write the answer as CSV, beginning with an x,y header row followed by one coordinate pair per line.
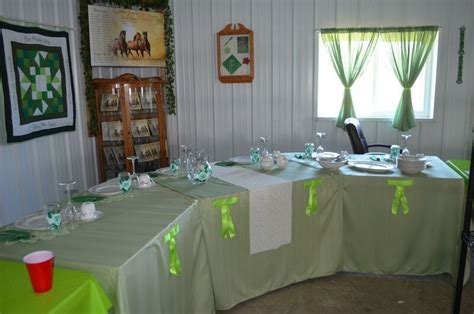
x,y
318,30
37,23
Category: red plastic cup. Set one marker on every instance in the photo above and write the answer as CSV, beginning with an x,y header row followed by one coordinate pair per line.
x,y
40,267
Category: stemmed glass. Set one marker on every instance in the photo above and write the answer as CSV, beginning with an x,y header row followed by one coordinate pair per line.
x,y
263,141
405,150
134,174
320,148
70,211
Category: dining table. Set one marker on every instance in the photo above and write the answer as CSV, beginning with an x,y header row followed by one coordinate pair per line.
x,y
230,249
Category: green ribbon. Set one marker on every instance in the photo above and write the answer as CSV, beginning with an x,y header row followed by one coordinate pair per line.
x,y
312,204
400,197
174,262
228,228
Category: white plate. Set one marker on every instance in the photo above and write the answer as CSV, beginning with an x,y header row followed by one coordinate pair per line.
x,y
105,189
325,155
371,166
35,222
241,160
97,214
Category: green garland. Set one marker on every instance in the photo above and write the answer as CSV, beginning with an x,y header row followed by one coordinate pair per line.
x,y
86,60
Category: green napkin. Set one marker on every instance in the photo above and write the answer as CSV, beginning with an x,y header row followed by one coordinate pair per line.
x,y
87,198
153,174
14,235
299,156
226,163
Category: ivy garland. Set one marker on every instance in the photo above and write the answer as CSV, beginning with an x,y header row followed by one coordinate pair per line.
x,y
86,59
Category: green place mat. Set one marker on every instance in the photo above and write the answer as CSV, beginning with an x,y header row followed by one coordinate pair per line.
x,y
12,235
226,163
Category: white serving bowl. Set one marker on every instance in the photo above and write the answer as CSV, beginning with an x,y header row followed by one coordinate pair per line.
x,y
411,164
330,163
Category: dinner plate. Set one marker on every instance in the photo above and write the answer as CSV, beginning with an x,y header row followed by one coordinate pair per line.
x,y
96,215
241,160
36,222
370,166
105,189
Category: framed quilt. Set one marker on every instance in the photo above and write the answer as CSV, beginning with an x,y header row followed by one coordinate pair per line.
x,y
37,82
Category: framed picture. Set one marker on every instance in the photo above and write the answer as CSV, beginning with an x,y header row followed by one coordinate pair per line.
x,y
109,102
140,128
134,101
119,155
105,131
148,99
235,61
115,131
148,152
153,126
126,38
38,92
110,158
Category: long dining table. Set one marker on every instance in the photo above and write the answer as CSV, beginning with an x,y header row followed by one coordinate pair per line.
x,y
381,223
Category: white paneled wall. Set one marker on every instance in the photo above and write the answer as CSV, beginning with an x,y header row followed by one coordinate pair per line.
x,y
281,102
227,119
31,170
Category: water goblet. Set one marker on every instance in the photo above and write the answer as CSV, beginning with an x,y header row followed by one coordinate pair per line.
x,y
52,214
405,150
308,150
125,181
134,174
263,140
320,136
70,212
175,166
254,155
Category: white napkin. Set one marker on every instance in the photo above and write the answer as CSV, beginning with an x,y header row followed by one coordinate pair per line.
x,y
270,206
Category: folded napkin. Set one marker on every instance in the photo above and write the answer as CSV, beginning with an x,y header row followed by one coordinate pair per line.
x,y
87,198
14,235
226,163
269,206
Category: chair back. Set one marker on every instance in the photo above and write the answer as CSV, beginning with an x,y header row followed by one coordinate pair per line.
x,y
356,136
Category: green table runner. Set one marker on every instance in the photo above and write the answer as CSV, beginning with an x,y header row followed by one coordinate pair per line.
x,y
73,291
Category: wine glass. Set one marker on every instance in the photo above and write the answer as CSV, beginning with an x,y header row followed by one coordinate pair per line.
x,y
125,181
263,141
320,136
134,175
405,150
70,212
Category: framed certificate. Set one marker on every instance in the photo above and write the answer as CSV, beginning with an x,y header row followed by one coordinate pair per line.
x,y
235,61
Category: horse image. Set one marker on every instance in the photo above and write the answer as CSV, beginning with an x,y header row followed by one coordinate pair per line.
x,y
139,44
120,44
135,44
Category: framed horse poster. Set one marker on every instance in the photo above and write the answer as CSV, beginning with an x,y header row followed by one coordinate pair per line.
x,y
128,38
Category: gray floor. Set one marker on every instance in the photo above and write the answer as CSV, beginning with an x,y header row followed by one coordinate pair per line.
x,y
362,293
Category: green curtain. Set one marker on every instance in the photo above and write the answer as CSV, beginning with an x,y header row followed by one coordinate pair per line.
x,y
409,49
349,51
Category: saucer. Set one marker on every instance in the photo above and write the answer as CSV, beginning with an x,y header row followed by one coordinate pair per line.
x,y
96,215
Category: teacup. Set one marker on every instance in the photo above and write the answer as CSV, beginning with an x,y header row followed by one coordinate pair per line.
x,y
88,209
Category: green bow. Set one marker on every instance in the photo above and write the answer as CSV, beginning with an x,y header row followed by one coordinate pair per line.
x,y
228,228
175,264
312,204
400,197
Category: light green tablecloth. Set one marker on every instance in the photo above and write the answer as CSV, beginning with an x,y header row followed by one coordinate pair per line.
x,y
353,230
125,251
73,291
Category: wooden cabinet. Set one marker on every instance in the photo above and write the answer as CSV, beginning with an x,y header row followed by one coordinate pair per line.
x,y
132,121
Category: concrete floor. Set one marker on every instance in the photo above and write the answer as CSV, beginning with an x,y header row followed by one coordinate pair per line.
x,y
362,293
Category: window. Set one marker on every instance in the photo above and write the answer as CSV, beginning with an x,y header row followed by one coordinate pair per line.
x,y
376,92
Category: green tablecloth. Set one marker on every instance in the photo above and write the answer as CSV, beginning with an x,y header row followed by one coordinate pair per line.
x,y
73,292
125,251
461,166
353,230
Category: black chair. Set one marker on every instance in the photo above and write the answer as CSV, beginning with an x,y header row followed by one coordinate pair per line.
x,y
358,141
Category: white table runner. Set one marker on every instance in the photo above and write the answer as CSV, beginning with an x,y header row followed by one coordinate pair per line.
x,y
269,205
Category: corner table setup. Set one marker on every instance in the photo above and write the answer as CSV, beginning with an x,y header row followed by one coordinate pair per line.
x,y
179,247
